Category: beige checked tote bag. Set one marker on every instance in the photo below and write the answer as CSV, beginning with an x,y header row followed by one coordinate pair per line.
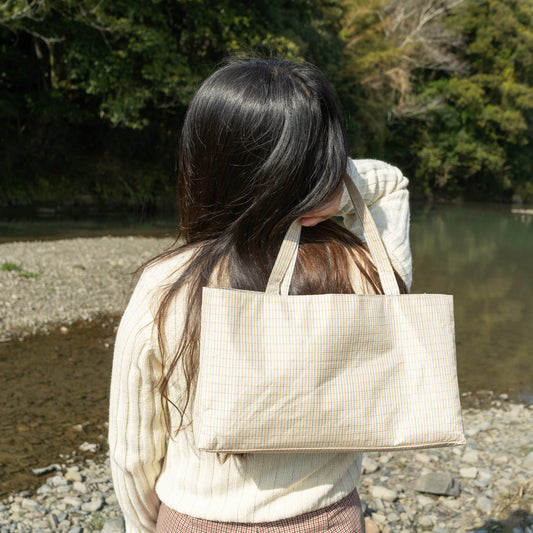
x,y
326,372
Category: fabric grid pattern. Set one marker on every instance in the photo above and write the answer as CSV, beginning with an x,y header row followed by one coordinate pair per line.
x,y
326,372
344,516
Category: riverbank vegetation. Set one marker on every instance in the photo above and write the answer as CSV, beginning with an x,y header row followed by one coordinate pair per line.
x,y
93,92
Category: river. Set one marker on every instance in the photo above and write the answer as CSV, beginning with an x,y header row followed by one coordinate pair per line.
x,y
482,255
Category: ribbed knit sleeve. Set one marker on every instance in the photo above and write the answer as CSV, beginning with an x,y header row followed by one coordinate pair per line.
x,y
384,190
136,422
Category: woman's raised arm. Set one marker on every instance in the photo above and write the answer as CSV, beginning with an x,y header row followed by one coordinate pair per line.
x,y
384,190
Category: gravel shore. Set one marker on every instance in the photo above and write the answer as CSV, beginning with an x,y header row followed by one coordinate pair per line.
x,y
485,486
43,284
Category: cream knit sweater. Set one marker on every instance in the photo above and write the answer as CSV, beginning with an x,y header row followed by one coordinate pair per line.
x,y
147,467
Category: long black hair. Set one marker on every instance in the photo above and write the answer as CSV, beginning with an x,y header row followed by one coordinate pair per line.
x,y
263,142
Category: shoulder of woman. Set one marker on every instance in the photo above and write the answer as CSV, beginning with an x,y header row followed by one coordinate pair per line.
x,y
371,167
164,269
377,181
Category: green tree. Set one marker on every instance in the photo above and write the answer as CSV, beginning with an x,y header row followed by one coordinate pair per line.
x,y
93,91
105,79
386,44
478,138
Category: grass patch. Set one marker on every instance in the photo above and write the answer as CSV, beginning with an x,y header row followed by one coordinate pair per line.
x,y
11,267
8,266
95,523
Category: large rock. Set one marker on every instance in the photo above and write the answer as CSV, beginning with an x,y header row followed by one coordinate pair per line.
x,y
528,461
115,525
437,483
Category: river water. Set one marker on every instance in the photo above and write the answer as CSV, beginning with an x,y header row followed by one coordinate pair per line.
x,y
484,257
54,388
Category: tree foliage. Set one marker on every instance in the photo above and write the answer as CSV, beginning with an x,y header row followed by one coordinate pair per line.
x,y
93,91
89,86
480,137
386,44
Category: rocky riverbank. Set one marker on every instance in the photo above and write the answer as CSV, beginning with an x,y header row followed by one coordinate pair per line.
x,y
485,486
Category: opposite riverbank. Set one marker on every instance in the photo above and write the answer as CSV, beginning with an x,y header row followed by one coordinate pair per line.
x,y
483,486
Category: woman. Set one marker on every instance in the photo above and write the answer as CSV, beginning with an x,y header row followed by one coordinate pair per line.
x,y
262,144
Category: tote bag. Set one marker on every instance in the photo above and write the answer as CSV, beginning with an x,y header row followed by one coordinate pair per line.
x,y
329,372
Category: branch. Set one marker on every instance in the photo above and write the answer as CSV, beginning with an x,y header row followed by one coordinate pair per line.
x,y
13,17
47,40
9,12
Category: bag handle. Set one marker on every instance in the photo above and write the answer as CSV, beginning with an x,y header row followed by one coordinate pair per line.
x,y
373,240
283,269
281,275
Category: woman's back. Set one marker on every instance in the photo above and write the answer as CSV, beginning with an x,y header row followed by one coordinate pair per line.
x,y
263,144
260,487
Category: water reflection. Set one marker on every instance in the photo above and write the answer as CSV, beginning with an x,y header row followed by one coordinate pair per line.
x,y
484,258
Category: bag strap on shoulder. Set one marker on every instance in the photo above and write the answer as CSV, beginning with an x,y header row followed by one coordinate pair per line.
x,y
281,275
373,240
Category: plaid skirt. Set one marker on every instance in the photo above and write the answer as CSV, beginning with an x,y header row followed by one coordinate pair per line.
x,y
345,516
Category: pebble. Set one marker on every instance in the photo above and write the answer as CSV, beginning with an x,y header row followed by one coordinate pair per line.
x,y
424,500
484,504
73,474
437,483
370,526
93,505
383,493
45,470
79,498
470,472
471,457
369,466
88,447
528,462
